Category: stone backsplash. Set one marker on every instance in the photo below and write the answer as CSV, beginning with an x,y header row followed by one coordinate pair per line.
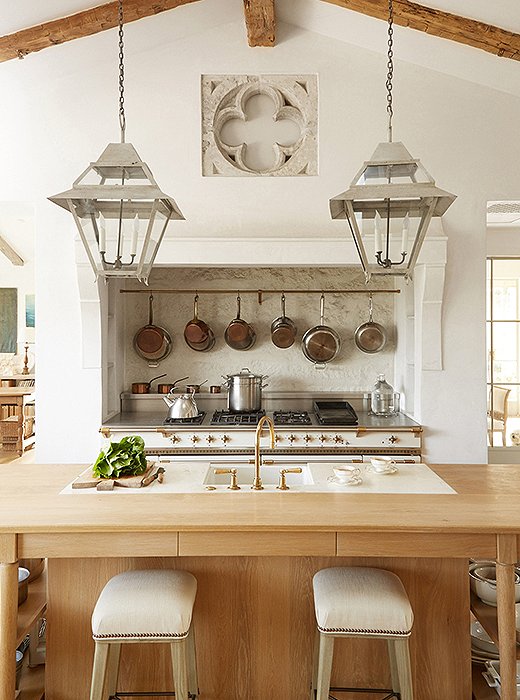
x,y
288,370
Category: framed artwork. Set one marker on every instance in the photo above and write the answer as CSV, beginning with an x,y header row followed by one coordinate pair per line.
x,y
8,320
29,311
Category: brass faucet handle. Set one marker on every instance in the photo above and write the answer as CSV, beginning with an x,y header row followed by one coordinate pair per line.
x,y
282,484
233,486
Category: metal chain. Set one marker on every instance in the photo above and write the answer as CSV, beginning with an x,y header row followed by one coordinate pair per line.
x,y
122,118
390,66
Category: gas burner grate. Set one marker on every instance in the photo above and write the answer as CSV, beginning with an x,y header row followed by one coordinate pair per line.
x,y
230,418
197,420
291,418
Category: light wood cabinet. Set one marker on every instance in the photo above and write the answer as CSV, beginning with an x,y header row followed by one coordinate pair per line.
x,y
16,418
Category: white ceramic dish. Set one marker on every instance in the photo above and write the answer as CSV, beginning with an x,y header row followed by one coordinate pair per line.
x,y
481,640
344,474
483,582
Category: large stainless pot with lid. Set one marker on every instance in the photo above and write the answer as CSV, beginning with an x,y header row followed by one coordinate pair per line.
x,y
244,391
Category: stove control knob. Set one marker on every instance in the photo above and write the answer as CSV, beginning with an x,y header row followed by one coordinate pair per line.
x,y
307,439
174,439
277,437
338,439
210,439
225,439
323,438
292,438
393,439
195,439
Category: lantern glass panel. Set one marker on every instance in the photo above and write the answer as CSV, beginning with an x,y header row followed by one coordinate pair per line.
x,y
395,174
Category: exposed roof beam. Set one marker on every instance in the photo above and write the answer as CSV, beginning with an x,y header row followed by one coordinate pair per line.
x,y
10,253
85,23
260,22
480,35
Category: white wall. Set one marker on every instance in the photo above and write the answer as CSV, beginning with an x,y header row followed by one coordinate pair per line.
x,y
61,111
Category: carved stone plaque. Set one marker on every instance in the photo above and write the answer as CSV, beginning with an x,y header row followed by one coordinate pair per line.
x,y
259,125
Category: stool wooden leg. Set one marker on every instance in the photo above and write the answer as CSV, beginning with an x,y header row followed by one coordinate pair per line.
x,y
402,655
193,683
396,686
326,651
114,656
99,671
180,669
315,656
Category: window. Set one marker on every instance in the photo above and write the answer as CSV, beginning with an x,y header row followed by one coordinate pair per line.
x,y
503,350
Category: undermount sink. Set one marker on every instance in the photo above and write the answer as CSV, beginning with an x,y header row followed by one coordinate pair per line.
x,y
246,473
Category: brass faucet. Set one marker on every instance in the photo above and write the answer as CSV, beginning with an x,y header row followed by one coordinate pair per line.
x,y
257,483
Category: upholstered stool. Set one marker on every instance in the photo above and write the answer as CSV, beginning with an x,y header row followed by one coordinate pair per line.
x,y
361,602
145,606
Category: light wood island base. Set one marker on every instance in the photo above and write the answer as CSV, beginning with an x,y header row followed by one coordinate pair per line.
x,y
254,556
254,622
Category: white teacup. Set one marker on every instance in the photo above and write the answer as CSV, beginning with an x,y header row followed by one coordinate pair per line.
x,y
344,474
383,465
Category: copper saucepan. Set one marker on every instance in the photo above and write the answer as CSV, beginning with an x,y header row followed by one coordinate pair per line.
x,y
239,334
283,329
151,342
144,387
166,388
197,334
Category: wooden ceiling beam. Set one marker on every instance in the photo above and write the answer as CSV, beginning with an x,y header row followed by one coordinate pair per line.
x,y
260,22
10,253
470,32
86,23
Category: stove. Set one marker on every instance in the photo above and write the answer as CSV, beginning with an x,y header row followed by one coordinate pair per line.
x,y
196,420
232,418
307,426
291,418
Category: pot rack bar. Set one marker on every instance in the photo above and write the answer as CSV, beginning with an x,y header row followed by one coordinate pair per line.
x,y
260,292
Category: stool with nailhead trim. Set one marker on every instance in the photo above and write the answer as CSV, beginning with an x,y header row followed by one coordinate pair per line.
x,y
361,602
150,606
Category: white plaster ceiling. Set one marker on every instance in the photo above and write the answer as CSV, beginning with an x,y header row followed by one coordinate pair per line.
x,y
323,18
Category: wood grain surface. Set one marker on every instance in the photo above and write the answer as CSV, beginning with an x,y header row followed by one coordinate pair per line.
x,y
254,623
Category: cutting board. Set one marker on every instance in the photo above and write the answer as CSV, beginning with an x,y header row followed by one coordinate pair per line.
x,y
86,481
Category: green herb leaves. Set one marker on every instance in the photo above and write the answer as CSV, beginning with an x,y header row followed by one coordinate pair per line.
x,y
124,458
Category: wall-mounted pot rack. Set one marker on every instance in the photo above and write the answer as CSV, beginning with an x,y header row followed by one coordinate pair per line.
x,y
260,292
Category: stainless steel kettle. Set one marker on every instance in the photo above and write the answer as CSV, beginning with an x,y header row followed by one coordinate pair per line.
x,y
182,406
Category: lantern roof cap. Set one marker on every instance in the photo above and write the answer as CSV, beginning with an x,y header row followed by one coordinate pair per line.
x,y
118,160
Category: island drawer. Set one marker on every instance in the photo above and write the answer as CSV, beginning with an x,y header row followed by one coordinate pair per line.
x,y
264,544
416,544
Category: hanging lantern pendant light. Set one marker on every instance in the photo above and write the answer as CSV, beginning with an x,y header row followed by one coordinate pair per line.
x,y
393,191
119,210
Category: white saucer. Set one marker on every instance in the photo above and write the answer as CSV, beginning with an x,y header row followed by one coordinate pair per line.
x,y
354,481
391,470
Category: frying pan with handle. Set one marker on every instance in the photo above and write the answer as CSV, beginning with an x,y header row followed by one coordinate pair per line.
x,y
239,334
321,344
283,329
151,342
197,334
370,337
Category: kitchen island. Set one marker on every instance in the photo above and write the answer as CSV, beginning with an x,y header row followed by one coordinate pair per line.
x,y
254,555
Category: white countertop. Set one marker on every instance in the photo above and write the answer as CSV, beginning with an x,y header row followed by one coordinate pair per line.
x,y
187,476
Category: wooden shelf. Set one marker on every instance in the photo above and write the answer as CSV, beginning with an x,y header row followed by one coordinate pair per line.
x,y
481,690
32,683
487,616
33,607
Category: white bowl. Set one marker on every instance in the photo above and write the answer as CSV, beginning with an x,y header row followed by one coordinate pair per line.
x,y
483,582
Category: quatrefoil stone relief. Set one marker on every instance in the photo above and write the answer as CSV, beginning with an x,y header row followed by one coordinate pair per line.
x,y
259,125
